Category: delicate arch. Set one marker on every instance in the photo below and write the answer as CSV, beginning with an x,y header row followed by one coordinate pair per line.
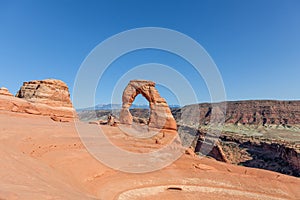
x,y
160,113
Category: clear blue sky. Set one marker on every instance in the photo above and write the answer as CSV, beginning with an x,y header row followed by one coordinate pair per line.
x,y
254,43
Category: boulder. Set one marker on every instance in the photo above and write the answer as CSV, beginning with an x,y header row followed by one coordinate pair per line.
x,y
110,120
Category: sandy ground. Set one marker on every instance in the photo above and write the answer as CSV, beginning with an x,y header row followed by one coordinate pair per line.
x,y
43,159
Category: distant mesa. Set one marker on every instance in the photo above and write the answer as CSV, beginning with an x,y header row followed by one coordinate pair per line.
x,y
251,112
160,113
48,97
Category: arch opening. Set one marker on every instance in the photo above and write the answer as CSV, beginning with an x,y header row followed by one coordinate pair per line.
x,y
160,113
140,110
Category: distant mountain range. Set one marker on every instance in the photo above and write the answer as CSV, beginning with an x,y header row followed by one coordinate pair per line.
x,y
119,106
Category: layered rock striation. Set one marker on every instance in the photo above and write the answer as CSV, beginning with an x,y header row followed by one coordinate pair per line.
x,y
253,112
48,97
160,113
4,91
50,92
258,133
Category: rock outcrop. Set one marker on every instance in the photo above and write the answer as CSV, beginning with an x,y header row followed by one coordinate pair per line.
x,y
260,152
111,120
4,91
253,112
262,134
160,113
47,97
258,133
44,160
50,92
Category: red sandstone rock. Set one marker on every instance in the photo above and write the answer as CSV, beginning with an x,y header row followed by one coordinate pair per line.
x,y
190,151
60,119
44,160
4,91
48,97
50,92
110,120
160,114
254,112
94,122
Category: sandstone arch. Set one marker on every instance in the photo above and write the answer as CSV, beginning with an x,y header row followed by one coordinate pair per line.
x,y
160,113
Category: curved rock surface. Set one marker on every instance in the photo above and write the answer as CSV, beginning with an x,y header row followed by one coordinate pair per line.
x,y
160,113
45,160
4,91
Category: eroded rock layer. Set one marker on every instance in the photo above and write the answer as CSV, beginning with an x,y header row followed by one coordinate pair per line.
x,y
254,112
47,97
4,91
50,92
44,160
258,133
160,113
